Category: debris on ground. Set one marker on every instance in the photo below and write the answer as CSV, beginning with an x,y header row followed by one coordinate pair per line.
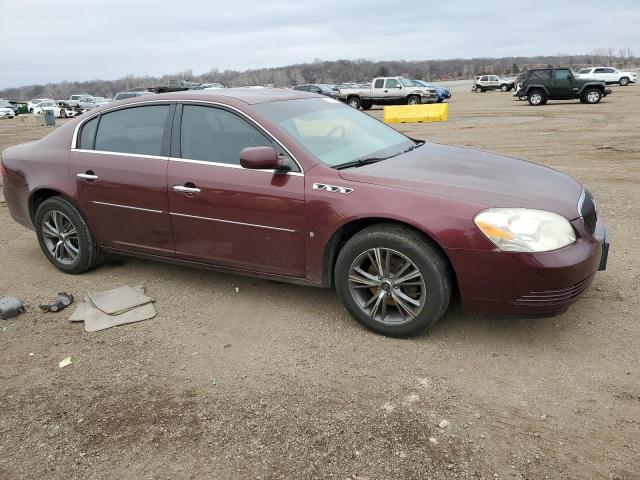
x,y
64,362
444,424
62,301
10,307
111,308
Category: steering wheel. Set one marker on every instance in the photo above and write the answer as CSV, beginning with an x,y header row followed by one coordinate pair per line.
x,y
336,129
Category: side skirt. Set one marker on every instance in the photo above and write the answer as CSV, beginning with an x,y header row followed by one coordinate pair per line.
x,y
217,268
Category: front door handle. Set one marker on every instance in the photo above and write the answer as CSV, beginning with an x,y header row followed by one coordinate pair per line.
x,y
87,176
183,189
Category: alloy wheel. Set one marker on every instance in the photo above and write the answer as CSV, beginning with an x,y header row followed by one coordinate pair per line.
x,y
535,98
593,96
60,237
387,286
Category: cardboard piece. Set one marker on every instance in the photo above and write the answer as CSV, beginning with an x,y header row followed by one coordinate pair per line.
x,y
119,300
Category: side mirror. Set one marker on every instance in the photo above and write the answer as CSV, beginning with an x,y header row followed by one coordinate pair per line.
x,y
569,77
261,158
399,87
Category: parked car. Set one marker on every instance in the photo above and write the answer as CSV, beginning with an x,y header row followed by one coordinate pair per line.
x,y
174,86
87,102
319,88
69,111
123,95
32,103
11,105
74,99
482,83
284,185
48,105
212,86
7,112
387,91
608,75
442,94
559,83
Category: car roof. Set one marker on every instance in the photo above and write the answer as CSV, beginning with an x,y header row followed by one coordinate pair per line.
x,y
250,96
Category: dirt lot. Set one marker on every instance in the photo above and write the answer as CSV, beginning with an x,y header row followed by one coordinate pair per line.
x,y
241,378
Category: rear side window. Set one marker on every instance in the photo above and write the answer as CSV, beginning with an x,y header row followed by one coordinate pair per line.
x,y
88,134
540,75
136,130
484,79
379,83
214,135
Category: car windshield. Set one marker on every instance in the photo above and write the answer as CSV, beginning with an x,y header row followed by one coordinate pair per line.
x,y
585,70
405,82
334,133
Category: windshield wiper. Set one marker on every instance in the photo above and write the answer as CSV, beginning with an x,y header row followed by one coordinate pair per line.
x,y
418,143
360,162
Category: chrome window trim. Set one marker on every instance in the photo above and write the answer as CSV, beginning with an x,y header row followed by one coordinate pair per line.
x,y
126,206
122,154
182,102
233,223
231,165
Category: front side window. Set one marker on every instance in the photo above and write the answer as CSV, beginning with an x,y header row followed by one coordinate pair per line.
x,y
599,70
332,132
215,135
137,130
392,83
494,78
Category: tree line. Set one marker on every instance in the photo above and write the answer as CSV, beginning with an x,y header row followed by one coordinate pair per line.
x,y
332,72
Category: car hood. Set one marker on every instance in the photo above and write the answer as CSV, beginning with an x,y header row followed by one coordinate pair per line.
x,y
475,176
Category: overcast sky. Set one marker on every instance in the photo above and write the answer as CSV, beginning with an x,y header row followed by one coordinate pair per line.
x,y
48,41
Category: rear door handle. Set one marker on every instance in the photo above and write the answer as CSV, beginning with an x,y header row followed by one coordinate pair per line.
x,y
183,189
87,176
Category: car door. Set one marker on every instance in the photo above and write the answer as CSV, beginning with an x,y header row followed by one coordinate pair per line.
x,y
562,84
599,74
227,215
393,90
494,82
611,75
119,166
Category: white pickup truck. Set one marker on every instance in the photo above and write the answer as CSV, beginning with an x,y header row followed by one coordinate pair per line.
x,y
387,91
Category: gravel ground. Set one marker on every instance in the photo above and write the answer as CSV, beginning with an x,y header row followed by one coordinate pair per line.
x,y
243,378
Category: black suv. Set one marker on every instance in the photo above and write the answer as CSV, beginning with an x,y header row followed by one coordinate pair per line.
x,y
542,84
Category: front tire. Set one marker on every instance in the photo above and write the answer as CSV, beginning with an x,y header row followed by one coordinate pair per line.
x,y
393,281
366,106
537,97
624,81
592,96
504,87
413,100
64,236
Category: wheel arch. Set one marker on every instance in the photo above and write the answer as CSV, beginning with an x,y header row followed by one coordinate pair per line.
x,y
349,229
588,86
40,195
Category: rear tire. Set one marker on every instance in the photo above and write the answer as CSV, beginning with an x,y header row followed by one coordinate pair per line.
x,y
537,97
624,81
366,106
592,96
354,102
64,236
377,299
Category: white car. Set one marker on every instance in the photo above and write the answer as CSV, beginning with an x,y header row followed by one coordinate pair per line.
x,y
6,112
32,104
608,75
48,105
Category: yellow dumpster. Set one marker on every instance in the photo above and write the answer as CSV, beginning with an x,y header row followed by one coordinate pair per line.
x,y
437,112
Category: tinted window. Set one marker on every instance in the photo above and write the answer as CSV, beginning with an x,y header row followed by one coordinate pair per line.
x,y
561,74
136,130
484,79
87,134
493,78
585,70
599,70
609,70
215,135
540,75
392,83
300,87
314,89
379,83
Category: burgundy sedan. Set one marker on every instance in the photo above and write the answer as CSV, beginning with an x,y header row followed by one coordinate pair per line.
x,y
296,187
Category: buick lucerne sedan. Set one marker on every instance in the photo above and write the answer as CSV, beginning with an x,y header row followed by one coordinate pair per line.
x,y
296,187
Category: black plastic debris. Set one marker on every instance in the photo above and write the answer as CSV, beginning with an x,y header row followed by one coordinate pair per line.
x,y
10,307
62,301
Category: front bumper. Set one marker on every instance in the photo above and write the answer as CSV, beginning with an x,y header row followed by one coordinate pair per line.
x,y
530,283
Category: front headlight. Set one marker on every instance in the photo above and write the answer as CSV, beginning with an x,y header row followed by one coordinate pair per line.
x,y
525,230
